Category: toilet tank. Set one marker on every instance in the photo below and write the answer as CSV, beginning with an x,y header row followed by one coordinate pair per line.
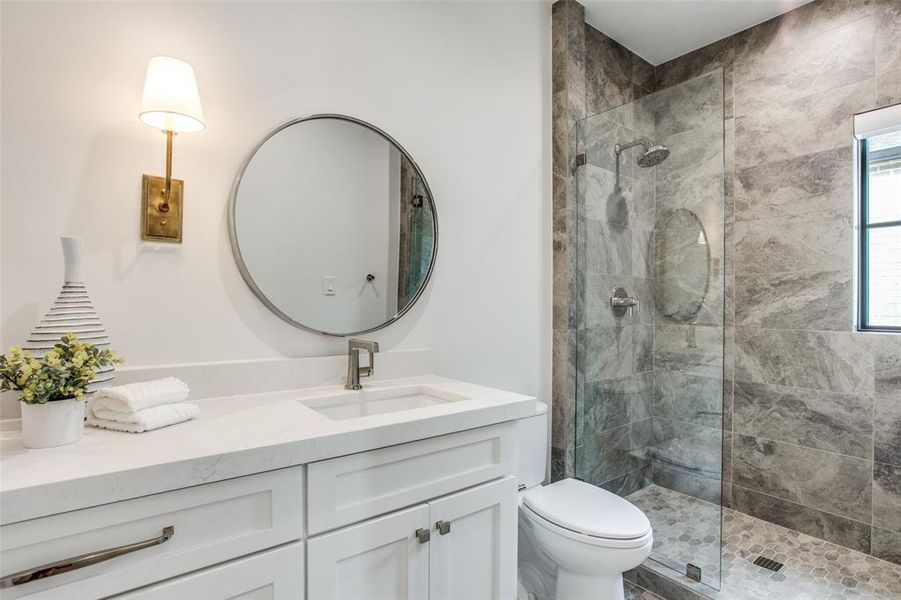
x,y
531,437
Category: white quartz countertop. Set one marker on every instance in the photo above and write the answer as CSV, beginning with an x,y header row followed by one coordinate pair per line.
x,y
234,436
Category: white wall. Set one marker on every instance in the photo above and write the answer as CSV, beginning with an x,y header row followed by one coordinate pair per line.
x,y
464,86
314,203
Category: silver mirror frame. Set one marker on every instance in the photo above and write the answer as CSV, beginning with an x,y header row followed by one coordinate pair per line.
x,y
236,248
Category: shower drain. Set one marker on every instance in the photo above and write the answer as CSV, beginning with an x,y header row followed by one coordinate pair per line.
x,y
768,563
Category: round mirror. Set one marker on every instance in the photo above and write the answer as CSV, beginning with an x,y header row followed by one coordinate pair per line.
x,y
333,225
682,261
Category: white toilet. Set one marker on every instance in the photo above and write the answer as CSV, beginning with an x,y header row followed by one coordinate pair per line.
x,y
575,539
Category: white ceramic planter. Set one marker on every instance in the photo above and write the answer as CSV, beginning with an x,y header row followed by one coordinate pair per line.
x,y
52,423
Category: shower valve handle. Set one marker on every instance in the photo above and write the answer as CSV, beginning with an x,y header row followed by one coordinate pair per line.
x,y
620,301
634,306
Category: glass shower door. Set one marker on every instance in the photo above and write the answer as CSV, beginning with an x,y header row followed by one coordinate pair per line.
x,y
650,314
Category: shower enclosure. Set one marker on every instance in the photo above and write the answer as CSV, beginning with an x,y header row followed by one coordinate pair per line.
x,y
650,314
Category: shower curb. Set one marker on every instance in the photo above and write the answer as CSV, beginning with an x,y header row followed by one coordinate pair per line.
x,y
665,586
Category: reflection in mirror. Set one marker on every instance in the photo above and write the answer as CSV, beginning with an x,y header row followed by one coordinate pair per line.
x,y
682,262
333,225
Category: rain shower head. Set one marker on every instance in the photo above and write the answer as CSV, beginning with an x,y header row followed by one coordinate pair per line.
x,y
653,154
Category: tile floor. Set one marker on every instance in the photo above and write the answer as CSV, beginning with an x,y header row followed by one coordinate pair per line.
x,y
685,530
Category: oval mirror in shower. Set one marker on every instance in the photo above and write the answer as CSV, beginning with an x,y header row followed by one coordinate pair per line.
x,y
333,225
682,265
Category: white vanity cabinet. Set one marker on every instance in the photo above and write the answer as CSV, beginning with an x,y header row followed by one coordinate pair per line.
x,y
447,533
430,519
458,546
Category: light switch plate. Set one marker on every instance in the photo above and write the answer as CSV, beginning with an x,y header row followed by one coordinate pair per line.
x,y
328,285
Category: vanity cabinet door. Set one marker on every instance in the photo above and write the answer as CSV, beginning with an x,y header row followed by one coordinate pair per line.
x,y
473,546
381,559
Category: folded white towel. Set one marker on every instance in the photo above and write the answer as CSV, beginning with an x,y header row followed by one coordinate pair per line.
x,y
137,407
138,396
141,420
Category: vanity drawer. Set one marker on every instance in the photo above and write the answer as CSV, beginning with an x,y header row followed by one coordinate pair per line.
x,y
353,488
271,575
210,524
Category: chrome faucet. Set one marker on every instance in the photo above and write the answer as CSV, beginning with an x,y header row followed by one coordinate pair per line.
x,y
354,370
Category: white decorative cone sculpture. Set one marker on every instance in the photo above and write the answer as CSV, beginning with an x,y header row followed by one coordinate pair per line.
x,y
72,312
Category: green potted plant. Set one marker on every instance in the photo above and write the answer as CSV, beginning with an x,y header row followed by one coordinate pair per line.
x,y
52,388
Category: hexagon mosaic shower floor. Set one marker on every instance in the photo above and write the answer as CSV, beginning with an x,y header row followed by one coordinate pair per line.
x,y
686,530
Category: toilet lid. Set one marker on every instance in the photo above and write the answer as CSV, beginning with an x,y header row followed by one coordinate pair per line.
x,y
587,509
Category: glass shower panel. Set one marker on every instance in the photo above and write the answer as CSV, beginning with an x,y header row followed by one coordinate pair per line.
x,y
650,296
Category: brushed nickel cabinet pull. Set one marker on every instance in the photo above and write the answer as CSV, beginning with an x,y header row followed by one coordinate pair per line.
x,y
443,527
423,535
85,560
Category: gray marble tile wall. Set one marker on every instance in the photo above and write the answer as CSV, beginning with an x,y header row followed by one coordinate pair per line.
x,y
812,423
615,218
591,73
568,81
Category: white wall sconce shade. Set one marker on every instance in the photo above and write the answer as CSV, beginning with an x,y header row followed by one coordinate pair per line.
x,y
171,101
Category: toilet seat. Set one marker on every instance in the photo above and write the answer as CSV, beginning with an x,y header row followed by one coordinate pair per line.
x,y
588,514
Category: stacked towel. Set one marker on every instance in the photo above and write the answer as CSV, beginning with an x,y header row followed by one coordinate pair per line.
x,y
138,407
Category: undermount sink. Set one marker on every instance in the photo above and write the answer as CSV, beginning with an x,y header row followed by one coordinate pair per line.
x,y
366,403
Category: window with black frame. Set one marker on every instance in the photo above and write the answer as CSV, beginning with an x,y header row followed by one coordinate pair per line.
x,y
879,254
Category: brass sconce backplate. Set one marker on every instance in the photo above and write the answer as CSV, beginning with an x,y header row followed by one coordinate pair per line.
x,y
161,225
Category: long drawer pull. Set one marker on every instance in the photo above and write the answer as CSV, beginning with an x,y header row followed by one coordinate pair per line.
x,y
85,560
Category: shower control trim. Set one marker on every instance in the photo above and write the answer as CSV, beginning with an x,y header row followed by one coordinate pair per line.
x,y
620,302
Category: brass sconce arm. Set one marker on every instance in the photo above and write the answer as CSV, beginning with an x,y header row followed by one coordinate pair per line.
x,y
164,205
